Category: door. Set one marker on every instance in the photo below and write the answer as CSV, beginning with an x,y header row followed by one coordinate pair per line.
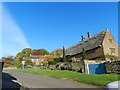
x,y
96,69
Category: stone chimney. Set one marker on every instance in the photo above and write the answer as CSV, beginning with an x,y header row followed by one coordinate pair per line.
x,y
83,38
89,35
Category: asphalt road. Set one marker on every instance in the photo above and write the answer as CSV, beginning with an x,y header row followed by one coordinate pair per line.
x,y
39,81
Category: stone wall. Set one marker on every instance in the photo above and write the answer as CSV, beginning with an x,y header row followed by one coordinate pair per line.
x,y
77,66
110,43
96,53
72,66
113,67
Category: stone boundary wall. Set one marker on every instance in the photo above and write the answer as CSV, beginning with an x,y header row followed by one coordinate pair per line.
x,y
113,67
72,66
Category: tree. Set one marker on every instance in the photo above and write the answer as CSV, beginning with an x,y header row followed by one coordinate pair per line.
x,y
18,55
46,58
29,62
45,52
57,52
17,63
27,51
40,52
83,54
55,61
21,57
8,61
84,57
58,59
64,57
24,53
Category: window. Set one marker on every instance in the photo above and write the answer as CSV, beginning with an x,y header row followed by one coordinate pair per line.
x,y
110,40
112,50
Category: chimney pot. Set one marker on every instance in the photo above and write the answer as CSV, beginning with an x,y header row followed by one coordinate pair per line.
x,y
83,38
89,35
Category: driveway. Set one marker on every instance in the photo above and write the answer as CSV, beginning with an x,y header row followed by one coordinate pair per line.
x,y
39,81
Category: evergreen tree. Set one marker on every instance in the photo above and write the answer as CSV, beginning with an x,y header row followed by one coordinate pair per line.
x,y
64,57
83,54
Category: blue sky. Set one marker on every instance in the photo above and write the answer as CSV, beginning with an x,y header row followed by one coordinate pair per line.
x,y
50,25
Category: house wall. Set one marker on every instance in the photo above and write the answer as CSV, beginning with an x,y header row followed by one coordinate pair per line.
x,y
93,54
118,52
110,47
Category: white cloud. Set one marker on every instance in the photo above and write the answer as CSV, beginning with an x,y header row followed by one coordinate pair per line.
x,y
13,39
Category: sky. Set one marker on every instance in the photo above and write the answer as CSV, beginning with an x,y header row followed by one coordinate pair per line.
x,y
51,25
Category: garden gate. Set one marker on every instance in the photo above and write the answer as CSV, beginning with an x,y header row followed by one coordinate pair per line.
x,y
96,68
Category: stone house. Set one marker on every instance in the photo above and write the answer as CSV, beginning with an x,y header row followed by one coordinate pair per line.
x,y
45,58
101,46
34,58
40,59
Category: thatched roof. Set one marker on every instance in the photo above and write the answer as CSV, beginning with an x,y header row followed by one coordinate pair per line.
x,y
88,44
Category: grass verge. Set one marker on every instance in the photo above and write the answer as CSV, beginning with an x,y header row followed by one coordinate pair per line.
x,y
95,79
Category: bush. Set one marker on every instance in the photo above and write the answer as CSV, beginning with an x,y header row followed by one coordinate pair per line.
x,y
51,62
55,61
29,62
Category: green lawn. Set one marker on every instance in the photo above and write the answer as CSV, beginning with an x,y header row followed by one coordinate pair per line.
x,y
95,79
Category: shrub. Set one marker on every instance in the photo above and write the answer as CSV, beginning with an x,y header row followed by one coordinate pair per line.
x,y
51,62
57,60
29,62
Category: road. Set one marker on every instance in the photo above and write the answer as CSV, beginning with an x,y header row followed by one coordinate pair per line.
x,y
39,81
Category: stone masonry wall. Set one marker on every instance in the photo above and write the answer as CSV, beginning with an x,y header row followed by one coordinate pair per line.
x,y
110,47
113,67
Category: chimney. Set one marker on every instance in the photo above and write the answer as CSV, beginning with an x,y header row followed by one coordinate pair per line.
x,y
107,29
89,35
83,38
